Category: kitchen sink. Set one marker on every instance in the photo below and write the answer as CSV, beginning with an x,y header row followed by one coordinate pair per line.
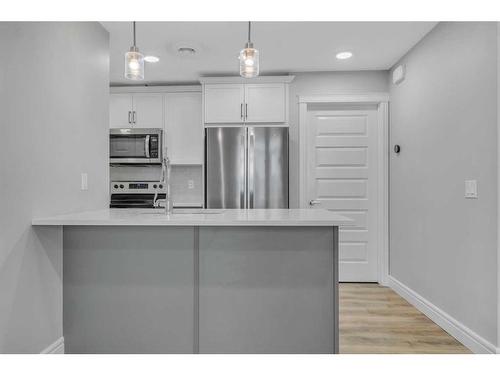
x,y
196,211
185,211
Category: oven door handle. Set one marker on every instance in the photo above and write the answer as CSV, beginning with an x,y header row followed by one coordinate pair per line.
x,y
147,146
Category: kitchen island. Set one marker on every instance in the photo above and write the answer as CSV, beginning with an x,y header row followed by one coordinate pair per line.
x,y
206,281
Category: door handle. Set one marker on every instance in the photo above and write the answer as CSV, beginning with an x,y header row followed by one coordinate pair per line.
x,y
251,167
246,111
133,117
146,146
241,111
243,189
314,202
129,118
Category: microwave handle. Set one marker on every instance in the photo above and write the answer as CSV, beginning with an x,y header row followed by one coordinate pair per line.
x,y
147,146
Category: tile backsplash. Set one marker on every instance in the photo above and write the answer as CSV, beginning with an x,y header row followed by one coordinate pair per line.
x,y
186,185
134,172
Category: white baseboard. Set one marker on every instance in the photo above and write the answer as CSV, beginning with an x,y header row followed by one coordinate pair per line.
x,y
465,335
57,347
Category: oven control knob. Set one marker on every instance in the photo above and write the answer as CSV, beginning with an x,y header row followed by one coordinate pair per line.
x,y
155,186
121,186
115,186
161,186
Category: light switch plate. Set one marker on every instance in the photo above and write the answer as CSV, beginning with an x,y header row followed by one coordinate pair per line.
x,y
85,181
471,189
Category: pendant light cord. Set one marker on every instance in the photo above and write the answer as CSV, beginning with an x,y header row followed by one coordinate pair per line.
x,y
134,32
249,41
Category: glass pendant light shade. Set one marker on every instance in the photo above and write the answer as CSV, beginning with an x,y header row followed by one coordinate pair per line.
x,y
134,62
134,65
249,61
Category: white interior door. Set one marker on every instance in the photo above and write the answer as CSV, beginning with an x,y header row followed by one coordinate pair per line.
x,y
341,175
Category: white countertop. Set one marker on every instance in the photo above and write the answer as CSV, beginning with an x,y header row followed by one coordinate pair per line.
x,y
225,217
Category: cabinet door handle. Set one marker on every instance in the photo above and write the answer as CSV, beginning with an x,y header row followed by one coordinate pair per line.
x,y
246,111
133,117
314,202
241,111
129,119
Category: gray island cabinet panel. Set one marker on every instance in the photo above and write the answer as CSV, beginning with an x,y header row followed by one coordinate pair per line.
x,y
128,289
215,281
268,290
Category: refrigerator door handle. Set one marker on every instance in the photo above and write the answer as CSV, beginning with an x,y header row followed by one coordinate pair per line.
x,y
243,171
251,167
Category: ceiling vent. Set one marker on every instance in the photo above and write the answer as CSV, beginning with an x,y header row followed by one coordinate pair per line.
x,y
186,51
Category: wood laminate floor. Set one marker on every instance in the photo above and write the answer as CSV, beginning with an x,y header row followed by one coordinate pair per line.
x,y
374,319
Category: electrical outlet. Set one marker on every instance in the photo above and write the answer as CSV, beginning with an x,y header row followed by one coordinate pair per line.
x,y
85,181
471,189
190,184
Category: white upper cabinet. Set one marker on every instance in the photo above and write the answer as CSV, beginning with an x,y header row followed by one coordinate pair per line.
x,y
265,102
235,100
224,103
184,128
148,110
128,110
120,111
175,109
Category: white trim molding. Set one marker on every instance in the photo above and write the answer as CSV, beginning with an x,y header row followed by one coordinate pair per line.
x,y
57,347
383,191
469,338
498,188
374,97
238,79
381,100
153,89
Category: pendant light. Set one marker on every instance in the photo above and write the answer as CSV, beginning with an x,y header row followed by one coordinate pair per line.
x,y
249,59
134,62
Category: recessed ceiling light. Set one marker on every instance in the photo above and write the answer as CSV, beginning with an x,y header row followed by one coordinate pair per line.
x,y
151,59
344,55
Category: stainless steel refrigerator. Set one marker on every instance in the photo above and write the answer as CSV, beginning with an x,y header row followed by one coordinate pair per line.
x,y
246,167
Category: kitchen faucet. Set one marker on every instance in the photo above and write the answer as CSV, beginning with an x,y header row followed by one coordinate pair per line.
x,y
165,180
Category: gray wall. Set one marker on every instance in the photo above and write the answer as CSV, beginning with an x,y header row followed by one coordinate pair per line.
x,y
54,84
324,83
444,116
498,182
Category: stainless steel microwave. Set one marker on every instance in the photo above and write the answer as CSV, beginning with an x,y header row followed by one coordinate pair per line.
x,y
135,146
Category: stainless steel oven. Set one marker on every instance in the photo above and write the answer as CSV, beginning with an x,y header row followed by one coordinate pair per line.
x,y
136,194
135,146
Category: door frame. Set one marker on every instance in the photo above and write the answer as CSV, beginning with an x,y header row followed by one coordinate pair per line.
x,y
381,100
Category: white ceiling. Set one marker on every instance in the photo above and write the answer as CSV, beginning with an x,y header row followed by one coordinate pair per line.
x,y
285,47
